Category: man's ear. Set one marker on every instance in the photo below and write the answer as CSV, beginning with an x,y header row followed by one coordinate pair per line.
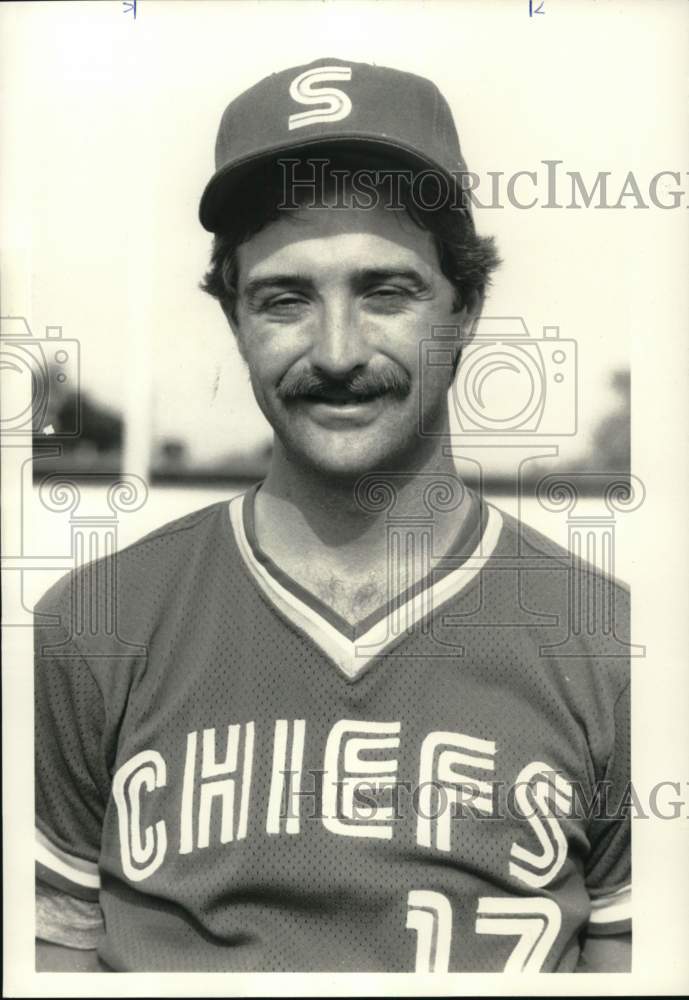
x,y
467,319
470,314
234,326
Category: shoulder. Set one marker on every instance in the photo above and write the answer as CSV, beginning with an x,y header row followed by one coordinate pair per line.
x,y
152,564
536,550
577,610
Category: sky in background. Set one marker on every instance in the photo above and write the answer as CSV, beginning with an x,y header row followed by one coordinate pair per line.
x,y
111,124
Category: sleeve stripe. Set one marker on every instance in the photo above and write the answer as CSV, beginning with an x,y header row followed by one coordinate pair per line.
x,y
76,870
612,908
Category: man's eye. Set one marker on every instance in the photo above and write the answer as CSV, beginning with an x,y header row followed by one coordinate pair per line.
x,y
387,297
388,292
284,304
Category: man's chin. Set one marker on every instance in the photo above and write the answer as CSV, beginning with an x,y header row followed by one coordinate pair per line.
x,y
341,458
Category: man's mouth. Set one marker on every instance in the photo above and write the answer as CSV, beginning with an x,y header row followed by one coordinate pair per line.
x,y
338,408
335,396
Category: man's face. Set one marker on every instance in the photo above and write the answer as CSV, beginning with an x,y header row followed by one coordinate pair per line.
x,y
332,307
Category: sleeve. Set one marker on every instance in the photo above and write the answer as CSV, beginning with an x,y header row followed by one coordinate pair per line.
x,y
72,777
608,870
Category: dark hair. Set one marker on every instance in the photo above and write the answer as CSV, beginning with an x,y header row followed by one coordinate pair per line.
x,y
466,259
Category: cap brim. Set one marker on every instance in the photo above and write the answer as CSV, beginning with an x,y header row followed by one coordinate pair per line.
x,y
217,197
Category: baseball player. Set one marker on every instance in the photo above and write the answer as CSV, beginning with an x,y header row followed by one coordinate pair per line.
x,y
357,718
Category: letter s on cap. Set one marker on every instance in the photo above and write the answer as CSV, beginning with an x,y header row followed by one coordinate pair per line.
x,y
332,104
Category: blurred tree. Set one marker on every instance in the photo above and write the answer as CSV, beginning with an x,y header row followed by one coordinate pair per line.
x,y
96,448
609,451
612,438
100,426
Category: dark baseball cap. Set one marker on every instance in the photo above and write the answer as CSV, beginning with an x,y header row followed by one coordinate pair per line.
x,y
331,102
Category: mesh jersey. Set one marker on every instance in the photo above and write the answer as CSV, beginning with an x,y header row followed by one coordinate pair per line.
x,y
247,783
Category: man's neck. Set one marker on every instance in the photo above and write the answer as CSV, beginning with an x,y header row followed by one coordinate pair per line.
x,y
342,524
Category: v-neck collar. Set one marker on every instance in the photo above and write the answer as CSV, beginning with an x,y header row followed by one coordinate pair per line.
x,y
353,647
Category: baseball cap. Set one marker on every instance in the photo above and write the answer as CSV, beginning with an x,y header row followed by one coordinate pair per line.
x,y
331,101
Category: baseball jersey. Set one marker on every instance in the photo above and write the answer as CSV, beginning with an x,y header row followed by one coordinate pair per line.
x,y
246,782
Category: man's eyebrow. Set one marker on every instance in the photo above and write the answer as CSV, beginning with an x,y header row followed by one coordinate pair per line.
x,y
358,279
376,275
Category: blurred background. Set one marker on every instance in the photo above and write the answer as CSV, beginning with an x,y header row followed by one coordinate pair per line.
x,y
111,122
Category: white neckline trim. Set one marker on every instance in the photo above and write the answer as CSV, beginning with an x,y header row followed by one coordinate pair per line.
x,y
352,656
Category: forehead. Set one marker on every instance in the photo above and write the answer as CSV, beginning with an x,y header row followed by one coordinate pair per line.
x,y
320,240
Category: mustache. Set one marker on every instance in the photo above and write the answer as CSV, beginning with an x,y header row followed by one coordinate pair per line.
x,y
360,385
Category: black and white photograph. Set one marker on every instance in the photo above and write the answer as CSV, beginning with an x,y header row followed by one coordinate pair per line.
x,y
344,431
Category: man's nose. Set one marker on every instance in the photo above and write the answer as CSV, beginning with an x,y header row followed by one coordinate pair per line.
x,y
340,344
